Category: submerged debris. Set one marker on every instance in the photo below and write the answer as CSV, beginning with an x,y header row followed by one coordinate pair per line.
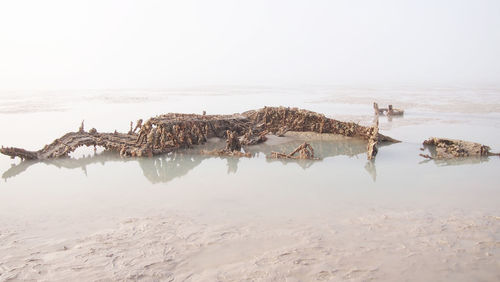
x,y
394,112
169,132
389,111
377,110
443,148
233,147
225,153
426,156
304,151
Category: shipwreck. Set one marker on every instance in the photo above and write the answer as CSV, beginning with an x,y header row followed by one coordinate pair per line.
x,y
170,132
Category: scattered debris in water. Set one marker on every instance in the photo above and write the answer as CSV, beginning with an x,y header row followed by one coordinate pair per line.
x,y
233,147
389,111
305,152
443,148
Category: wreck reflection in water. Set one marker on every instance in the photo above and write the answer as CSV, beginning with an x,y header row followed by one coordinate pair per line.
x,y
457,161
165,168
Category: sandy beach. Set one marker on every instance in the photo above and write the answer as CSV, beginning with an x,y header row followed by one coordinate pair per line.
x,y
191,217
374,244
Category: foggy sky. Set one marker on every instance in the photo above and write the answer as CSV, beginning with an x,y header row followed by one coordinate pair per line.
x,y
154,44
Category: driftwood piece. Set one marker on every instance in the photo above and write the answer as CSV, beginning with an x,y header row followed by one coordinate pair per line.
x,y
443,148
169,132
305,152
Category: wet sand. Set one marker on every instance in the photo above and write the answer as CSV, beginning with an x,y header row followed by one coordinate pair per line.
x,y
372,245
190,217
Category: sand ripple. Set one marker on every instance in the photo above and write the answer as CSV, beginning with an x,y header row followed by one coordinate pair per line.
x,y
416,246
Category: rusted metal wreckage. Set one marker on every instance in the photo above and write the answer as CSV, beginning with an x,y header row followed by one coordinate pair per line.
x,y
173,131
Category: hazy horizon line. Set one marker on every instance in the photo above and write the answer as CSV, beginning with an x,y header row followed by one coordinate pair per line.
x,y
273,85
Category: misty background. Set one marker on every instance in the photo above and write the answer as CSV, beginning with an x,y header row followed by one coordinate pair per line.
x,y
156,44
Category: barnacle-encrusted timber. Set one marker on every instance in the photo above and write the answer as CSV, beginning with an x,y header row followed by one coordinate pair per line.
x,y
169,132
444,148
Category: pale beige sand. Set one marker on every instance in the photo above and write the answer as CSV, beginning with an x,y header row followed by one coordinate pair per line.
x,y
371,245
